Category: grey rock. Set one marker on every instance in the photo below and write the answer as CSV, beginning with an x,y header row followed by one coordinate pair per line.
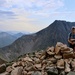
x,y
71,73
37,73
52,71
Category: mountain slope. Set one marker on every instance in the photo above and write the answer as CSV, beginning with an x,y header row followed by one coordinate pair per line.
x,y
56,32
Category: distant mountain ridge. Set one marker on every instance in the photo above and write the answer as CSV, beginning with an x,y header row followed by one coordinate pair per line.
x,y
7,39
56,32
18,35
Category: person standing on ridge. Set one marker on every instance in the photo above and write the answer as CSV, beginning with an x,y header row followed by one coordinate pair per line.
x,y
71,38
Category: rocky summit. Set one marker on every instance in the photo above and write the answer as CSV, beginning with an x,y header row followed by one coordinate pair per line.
x,y
58,60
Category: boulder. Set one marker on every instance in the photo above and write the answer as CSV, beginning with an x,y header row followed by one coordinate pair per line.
x,y
37,60
52,59
67,50
49,63
64,46
27,59
73,65
29,68
9,69
38,65
37,54
58,47
22,63
44,72
30,72
14,65
43,55
50,49
67,55
67,67
60,64
28,64
17,71
36,73
50,53
58,57
24,72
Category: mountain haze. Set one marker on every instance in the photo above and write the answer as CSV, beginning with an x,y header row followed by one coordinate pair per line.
x,y
56,32
7,39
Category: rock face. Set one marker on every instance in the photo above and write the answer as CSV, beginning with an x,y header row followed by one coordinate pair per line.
x,y
56,32
49,62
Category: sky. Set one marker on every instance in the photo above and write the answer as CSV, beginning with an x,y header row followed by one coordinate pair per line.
x,y
34,15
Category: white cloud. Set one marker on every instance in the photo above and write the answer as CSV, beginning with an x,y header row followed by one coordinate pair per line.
x,y
28,13
34,5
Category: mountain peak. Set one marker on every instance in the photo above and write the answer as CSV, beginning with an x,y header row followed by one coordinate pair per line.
x,y
63,21
60,21
57,24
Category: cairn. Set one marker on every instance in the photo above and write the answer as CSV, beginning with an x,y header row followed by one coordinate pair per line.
x,y
58,60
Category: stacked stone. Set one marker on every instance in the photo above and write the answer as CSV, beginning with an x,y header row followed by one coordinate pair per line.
x,y
58,60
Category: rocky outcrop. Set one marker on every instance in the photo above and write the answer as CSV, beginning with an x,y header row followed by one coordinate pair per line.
x,y
58,60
